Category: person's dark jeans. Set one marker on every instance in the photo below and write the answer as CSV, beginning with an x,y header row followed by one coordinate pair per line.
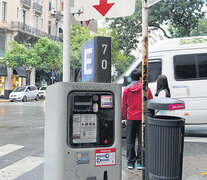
x,y
134,127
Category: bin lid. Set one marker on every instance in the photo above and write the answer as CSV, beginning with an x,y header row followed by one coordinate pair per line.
x,y
165,104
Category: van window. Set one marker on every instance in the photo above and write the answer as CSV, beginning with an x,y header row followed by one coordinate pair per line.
x,y
190,67
202,62
154,70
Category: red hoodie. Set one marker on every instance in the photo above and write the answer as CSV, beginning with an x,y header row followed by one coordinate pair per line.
x,y
132,101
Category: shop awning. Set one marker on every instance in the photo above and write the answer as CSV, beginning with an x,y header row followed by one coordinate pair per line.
x,y
3,70
42,74
21,71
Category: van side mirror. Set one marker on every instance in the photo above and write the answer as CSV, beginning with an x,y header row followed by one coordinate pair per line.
x,y
127,80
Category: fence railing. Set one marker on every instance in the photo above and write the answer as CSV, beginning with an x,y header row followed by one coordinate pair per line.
x,y
33,31
26,2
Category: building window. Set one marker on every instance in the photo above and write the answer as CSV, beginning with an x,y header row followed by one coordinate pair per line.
x,y
36,22
50,5
41,25
2,45
4,10
24,14
17,13
49,27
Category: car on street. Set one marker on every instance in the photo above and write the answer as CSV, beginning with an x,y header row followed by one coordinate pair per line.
x,y
24,93
42,91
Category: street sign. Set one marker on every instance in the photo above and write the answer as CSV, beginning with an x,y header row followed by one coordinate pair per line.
x,y
90,24
96,60
152,2
100,9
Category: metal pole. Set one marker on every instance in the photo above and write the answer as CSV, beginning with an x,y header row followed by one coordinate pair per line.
x,y
66,41
144,75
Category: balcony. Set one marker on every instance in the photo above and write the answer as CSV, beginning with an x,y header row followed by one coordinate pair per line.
x,y
26,3
37,7
24,28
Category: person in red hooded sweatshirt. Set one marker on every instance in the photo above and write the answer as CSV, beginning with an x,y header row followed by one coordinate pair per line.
x,y
132,113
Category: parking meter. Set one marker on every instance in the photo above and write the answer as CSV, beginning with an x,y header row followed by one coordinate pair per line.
x,y
83,132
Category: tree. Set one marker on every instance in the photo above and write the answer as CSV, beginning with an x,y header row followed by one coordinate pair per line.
x,y
49,55
79,35
201,30
181,16
18,56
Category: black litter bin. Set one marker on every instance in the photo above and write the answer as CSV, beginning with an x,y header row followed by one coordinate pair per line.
x,y
164,140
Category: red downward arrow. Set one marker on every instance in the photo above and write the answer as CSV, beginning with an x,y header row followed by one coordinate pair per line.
x,y
103,7
87,22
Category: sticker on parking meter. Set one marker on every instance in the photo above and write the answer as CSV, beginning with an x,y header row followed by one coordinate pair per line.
x,y
106,102
84,128
105,157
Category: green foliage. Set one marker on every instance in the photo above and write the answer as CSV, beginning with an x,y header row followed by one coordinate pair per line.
x,y
48,54
180,15
201,30
17,56
79,35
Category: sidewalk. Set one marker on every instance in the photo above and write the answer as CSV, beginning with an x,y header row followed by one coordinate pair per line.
x,y
194,168
4,100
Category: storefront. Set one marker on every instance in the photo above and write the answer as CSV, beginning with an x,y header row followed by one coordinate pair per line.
x,y
3,73
18,75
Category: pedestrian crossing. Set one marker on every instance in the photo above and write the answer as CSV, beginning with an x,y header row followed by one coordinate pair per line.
x,y
18,168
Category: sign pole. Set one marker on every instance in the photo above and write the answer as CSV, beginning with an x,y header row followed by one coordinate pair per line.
x,y
66,41
144,76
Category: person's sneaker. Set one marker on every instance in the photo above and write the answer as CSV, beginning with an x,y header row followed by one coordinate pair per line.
x,y
139,166
130,167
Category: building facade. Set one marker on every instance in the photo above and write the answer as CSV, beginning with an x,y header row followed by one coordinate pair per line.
x,y
25,21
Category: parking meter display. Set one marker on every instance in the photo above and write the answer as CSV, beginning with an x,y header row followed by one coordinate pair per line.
x,y
90,119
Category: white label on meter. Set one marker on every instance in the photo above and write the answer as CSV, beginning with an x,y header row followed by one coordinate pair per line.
x,y
105,157
106,101
84,128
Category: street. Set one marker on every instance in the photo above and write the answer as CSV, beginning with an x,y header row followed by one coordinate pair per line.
x,y
22,145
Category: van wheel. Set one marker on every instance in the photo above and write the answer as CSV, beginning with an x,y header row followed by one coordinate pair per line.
x,y
37,98
24,99
11,100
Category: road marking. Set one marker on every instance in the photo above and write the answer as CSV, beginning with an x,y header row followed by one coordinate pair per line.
x,y
20,167
9,148
196,139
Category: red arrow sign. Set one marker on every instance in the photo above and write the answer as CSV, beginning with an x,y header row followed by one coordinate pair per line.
x,y
87,22
103,7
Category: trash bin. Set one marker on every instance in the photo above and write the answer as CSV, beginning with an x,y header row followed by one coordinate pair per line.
x,y
164,140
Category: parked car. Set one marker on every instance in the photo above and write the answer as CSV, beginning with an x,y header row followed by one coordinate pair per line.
x,y
24,93
42,91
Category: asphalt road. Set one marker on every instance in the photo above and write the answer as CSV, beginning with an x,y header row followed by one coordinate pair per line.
x,y
22,145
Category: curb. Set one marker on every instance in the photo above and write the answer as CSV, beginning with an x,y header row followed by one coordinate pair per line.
x,y
4,100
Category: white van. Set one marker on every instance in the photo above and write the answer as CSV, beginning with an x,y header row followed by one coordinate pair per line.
x,y
184,62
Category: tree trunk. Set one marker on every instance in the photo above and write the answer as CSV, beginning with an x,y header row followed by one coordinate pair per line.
x,y
28,77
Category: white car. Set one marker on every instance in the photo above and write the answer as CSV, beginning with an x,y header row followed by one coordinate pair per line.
x,y
42,91
24,93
